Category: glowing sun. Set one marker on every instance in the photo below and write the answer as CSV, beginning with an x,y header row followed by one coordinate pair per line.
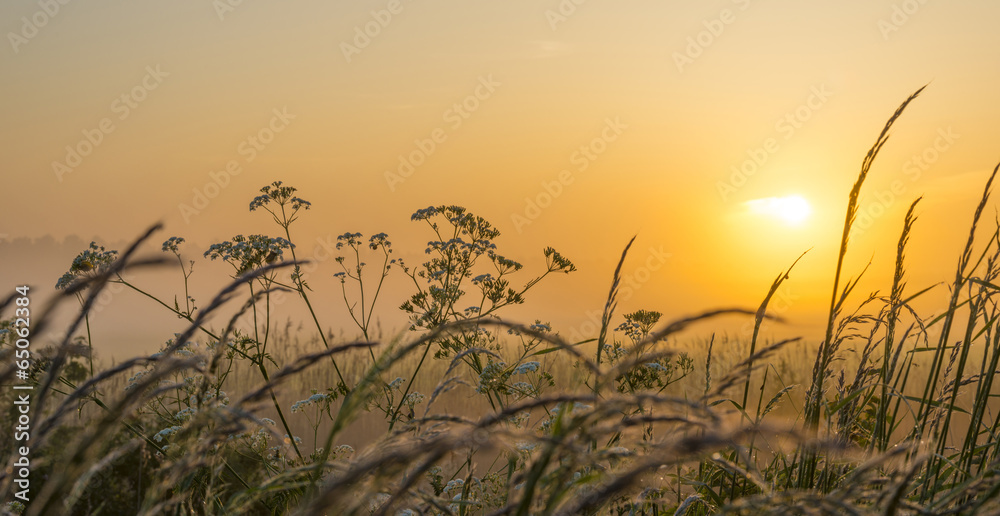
x,y
792,209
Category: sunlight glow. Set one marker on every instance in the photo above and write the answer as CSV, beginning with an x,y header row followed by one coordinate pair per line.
x,y
792,209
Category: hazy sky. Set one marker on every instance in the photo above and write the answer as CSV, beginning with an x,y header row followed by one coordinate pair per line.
x,y
571,123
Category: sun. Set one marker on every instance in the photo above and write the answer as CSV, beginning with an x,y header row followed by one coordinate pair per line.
x,y
793,210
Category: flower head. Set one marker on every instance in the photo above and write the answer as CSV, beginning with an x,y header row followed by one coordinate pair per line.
x,y
280,195
95,258
250,252
172,244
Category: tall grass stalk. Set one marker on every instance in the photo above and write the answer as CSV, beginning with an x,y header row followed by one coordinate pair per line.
x,y
814,400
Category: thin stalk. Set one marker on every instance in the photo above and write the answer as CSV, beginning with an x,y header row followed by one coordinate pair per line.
x,y
814,399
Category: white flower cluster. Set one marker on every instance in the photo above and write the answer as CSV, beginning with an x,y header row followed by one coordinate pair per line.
x,y
523,390
527,367
413,398
315,399
491,377
397,383
166,432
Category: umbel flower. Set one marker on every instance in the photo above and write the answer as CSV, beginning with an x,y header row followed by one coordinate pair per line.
x,y
246,253
280,202
95,260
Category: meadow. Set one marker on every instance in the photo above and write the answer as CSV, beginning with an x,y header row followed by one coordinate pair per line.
x,y
469,413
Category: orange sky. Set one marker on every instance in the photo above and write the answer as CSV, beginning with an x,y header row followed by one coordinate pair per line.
x,y
620,118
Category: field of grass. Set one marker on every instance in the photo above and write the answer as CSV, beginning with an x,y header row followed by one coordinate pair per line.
x,y
467,413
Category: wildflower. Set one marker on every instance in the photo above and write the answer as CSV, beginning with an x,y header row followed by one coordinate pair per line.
x,y
522,389
349,239
527,367
424,214
380,240
395,384
541,327
413,398
492,377
454,484
166,432
248,253
95,258
557,262
638,324
315,399
172,244
505,265
134,380
280,195
208,396
519,419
